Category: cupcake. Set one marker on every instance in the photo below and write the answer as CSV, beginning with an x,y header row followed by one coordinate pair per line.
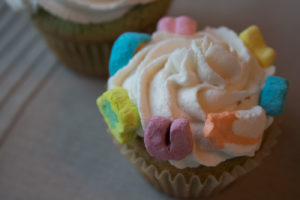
x,y
81,32
193,110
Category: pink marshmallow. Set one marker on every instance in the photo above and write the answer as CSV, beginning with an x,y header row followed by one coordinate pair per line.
x,y
185,26
166,24
181,139
181,25
155,137
178,144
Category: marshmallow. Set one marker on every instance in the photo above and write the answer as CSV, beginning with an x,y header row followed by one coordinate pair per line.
x,y
166,24
243,127
120,114
180,25
273,95
254,40
166,140
140,47
124,48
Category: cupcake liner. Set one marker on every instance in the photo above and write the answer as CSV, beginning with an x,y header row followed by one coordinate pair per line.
x,y
89,59
194,186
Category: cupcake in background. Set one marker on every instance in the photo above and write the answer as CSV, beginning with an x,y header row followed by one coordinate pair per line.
x,y
81,32
193,110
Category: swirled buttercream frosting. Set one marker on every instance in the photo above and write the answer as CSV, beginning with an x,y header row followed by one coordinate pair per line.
x,y
202,77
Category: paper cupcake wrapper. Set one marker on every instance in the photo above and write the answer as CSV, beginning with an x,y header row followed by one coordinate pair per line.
x,y
182,187
85,58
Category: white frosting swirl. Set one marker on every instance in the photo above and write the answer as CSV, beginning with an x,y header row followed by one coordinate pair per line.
x,y
81,11
188,77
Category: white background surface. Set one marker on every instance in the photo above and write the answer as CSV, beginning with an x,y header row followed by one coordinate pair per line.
x,y
53,143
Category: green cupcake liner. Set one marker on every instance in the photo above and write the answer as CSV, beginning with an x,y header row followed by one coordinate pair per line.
x,y
192,183
86,47
88,59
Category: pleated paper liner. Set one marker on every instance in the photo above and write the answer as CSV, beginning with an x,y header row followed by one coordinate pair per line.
x,y
89,59
85,48
198,182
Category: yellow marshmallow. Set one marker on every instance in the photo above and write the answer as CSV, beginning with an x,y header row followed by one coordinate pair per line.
x,y
254,40
120,114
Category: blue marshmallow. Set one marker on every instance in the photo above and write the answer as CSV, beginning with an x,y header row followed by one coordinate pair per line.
x,y
124,48
272,97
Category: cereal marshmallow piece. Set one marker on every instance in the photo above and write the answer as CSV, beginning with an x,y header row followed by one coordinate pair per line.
x,y
182,25
120,114
124,48
254,40
243,127
167,140
272,97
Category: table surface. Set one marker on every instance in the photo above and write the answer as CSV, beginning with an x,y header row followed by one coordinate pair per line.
x,y
53,143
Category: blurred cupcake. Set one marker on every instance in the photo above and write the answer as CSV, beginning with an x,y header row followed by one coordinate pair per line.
x,y
81,32
193,111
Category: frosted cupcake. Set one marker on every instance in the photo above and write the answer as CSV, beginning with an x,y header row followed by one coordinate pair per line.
x,y
193,111
81,32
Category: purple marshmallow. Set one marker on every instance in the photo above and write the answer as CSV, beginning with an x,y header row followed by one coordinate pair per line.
x,y
155,137
181,139
166,140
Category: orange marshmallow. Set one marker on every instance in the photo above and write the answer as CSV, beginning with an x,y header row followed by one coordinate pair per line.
x,y
218,129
